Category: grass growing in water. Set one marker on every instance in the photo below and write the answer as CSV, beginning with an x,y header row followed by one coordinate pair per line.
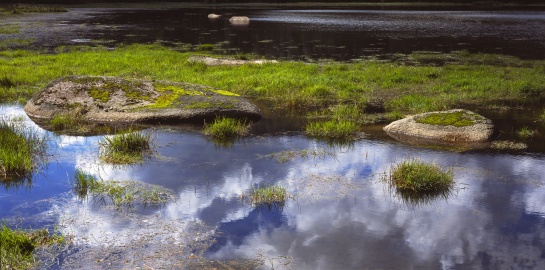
x,y
21,149
285,156
126,148
269,195
342,130
227,128
119,193
526,133
17,246
415,176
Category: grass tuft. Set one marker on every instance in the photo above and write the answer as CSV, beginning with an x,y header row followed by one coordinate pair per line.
x,y
119,193
344,130
21,149
227,128
415,176
526,133
269,195
126,148
17,246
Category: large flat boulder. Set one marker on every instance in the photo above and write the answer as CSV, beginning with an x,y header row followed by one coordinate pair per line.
x,y
117,100
452,127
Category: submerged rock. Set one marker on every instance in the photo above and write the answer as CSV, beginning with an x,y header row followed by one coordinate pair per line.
x,y
239,20
211,61
116,100
453,127
213,16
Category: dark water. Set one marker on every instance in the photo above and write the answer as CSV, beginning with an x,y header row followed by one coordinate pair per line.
x,y
302,34
343,216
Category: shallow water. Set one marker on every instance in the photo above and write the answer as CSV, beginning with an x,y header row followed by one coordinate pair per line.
x,y
342,215
298,34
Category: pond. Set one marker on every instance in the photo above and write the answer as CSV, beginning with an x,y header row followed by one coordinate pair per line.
x,y
341,215
297,34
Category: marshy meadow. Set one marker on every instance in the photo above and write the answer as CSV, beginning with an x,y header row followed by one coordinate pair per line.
x,y
316,183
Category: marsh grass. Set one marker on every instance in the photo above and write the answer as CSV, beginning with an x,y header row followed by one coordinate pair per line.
x,y
288,155
8,29
119,193
508,145
526,133
413,177
225,128
17,246
26,8
464,80
21,150
126,148
340,130
268,195
71,121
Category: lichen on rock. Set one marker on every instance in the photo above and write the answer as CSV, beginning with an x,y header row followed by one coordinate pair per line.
x,y
121,101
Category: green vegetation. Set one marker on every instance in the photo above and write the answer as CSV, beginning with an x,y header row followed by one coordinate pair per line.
x,y
21,149
119,193
7,29
126,148
404,88
542,117
17,246
508,145
342,130
526,133
457,119
227,128
288,155
70,121
27,8
415,176
269,195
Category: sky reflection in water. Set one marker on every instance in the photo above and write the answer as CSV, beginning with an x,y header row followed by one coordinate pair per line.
x,y
342,217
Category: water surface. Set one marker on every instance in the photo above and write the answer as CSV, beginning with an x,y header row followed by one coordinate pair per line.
x,y
342,215
340,34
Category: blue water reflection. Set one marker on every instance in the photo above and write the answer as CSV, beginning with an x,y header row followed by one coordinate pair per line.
x,y
342,215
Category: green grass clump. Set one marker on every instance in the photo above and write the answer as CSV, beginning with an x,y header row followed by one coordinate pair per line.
x,y
415,176
118,193
332,129
227,128
21,149
268,195
25,8
17,247
7,29
508,145
126,148
526,133
457,119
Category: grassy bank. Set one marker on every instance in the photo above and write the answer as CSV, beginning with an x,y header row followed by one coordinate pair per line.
x,y
17,247
420,82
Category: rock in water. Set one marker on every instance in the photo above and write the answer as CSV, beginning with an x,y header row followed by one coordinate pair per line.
x,y
239,20
117,100
453,127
